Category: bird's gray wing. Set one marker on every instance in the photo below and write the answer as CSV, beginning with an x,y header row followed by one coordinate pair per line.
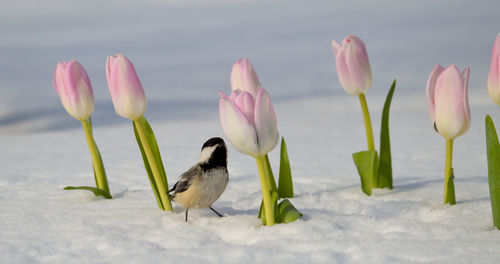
x,y
186,179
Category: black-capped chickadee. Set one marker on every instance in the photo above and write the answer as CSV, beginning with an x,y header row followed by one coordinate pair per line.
x,y
202,184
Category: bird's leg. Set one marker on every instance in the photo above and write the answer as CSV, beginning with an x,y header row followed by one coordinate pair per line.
x,y
187,215
215,211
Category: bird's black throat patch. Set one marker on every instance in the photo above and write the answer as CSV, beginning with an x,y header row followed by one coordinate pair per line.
x,y
217,159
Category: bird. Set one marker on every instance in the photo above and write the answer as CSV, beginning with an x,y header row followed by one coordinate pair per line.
x,y
205,181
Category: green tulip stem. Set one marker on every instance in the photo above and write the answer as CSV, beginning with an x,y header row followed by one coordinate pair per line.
x,y
162,189
368,123
266,190
449,189
100,174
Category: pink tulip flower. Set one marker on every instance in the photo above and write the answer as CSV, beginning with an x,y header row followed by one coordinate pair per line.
x,y
494,76
353,66
73,86
125,87
448,101
244,78
249,122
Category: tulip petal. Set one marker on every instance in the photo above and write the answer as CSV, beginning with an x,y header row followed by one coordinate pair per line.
x,y
237,128
494,74
233,96
450,110
246,103
344,73
244,77
266,123
125,87
353,65
362,57
84,98
465,77
74,88
430,90
359,67
109,61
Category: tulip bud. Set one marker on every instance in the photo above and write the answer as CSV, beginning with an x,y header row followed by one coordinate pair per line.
x,y
244,78
249,123
448,101
125,88
494,76
73,86
353,66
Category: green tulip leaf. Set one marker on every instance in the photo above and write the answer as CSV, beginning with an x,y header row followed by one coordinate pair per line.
x,y
285,184
261,209
269,173
95,190
493,152
104,179
451,189
151,140
384,177
367,165
287,212
99,159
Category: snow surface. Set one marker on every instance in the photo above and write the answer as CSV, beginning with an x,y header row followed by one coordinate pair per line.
x,y
183,52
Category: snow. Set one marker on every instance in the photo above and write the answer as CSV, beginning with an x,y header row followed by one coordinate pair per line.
x,y
183,52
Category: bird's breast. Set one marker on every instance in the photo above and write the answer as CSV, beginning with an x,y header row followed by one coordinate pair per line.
x,y
212,185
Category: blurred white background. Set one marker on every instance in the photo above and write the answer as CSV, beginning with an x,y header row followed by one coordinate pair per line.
x,y
183,50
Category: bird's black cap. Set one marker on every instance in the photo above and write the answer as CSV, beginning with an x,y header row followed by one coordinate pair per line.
x,y
213,141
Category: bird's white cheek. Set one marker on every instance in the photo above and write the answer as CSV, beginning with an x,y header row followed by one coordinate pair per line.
x,y
206,153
